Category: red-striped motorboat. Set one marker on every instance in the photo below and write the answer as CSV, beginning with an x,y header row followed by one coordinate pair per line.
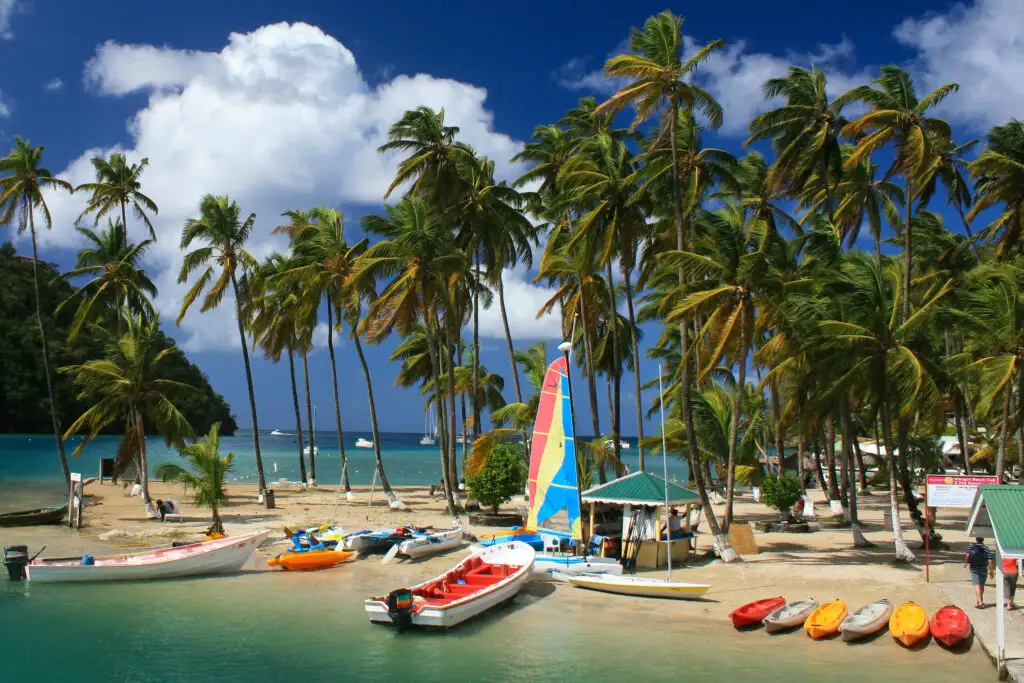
x,y
951,626
754,612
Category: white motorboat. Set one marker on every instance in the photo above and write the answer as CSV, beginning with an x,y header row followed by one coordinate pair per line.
x,y
363,443
431,542
636,585
208,557
473,586
370,539
277,432
868,619
547,564
792,615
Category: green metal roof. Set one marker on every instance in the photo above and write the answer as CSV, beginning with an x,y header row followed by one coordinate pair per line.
x,y
1000,508
639,488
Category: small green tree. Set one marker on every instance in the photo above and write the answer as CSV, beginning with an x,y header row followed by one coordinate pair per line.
x,y
502,477
206,481
781,493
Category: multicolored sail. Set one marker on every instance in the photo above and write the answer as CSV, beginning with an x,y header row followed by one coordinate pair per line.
x,y
553,481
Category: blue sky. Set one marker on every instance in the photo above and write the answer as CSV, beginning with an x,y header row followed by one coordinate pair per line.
x,y
282,106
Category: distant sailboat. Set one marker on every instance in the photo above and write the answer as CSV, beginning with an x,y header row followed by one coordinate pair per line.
x,y
429,429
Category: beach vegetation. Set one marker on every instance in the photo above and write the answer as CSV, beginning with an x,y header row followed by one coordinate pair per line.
x,y
503,476
781,491
208,474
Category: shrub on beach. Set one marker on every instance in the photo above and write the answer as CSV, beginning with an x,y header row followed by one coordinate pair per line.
x,y
502,477
781,493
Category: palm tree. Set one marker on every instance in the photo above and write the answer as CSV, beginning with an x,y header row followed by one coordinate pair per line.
x,y
129,383
206,481
223,233
118,283
763,202
22,181
898,115
998,173
117,185
662,80
433,153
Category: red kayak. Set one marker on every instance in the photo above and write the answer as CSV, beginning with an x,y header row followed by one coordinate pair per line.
x,y
951,626
754,612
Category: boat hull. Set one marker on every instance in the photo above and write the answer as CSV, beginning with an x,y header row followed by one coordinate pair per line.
x,y
546,565
430,544
909,624
454,612
753,613
951,626
210,557
825,620
307,560
790,616
54,514
539,539
638,587
866,621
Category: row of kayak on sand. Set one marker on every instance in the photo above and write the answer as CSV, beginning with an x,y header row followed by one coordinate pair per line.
x,y
326,546
908,624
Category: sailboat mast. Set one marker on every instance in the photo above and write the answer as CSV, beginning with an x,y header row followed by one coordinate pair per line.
x,y
664,465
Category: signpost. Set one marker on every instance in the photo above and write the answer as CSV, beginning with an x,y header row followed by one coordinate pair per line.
x,y
949,491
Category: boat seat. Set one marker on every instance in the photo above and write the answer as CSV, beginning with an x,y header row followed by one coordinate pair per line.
x,y
482,579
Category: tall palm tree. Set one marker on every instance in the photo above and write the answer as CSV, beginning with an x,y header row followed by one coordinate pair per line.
x,y
223,233
22,181
117,185
209,475
129,383
898,115
118,283
998,173
947,167
661,80
433,153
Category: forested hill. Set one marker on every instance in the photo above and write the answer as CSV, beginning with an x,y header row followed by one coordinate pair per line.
x,y
24,407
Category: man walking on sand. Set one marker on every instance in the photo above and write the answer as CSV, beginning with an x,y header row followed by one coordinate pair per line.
x,y
978,559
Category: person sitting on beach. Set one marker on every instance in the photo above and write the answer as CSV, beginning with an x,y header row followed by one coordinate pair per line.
x,y
978,559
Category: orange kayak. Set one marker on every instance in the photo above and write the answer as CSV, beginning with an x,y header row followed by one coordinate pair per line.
x,y
310,559
909,624
825,620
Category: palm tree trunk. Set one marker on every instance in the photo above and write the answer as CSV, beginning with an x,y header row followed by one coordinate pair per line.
x,y
906,255
734,427
848,441
862,477
435,369
613,329
903,552
636,368
143,460
462,400
46,351
309,421
453,342
393,501
721,541
1004,431
337,402
474,399
820,472
830,458
252,393
958,417
589,353
780,445
298,416
512,358
906,482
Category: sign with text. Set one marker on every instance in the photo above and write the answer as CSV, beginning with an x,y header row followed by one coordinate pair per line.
x,y
955,491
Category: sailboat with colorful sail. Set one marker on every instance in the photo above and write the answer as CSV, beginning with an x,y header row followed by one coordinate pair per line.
x,y
553,485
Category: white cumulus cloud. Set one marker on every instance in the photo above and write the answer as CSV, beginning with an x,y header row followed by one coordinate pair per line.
x,y
53,84
280,118
8,8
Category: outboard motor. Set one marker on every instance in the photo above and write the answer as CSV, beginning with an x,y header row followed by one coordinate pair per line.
x,y
400,608
16,559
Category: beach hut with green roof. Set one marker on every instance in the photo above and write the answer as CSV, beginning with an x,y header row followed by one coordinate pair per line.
x,y
641,497
998,513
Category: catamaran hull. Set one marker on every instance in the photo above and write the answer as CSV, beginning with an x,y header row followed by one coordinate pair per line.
x,y
211,557
424,546
639,587
545,566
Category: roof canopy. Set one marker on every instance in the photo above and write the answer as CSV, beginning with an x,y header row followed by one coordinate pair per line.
x,y
999,511
639,488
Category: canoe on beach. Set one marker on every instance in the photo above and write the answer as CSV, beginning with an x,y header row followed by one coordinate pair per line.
x,y
755,612
223,555
637,586
869,619
825,620
53,514
792,615
909,624
951,626
306,560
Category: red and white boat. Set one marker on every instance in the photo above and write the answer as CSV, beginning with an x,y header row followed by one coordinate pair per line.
x,y
208,557
475,585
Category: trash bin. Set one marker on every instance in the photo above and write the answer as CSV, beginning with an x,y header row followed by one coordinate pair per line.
x,y
268,499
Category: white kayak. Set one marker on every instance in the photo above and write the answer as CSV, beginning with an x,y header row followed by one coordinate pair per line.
x,y
636,585
547,564
868,619
432,542
792,615
223,555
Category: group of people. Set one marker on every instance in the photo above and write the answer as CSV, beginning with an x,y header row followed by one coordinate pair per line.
x,y
980,560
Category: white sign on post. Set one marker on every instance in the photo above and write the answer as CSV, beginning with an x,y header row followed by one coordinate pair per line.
x,y
76,476
955,491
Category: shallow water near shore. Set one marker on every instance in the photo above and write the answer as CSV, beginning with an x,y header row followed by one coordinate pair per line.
x,y
311,627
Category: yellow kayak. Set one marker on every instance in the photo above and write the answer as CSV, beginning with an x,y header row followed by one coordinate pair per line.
x,y
825,620
909,624
310,559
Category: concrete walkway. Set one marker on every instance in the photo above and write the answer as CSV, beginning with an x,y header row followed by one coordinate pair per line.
x,y
961,593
